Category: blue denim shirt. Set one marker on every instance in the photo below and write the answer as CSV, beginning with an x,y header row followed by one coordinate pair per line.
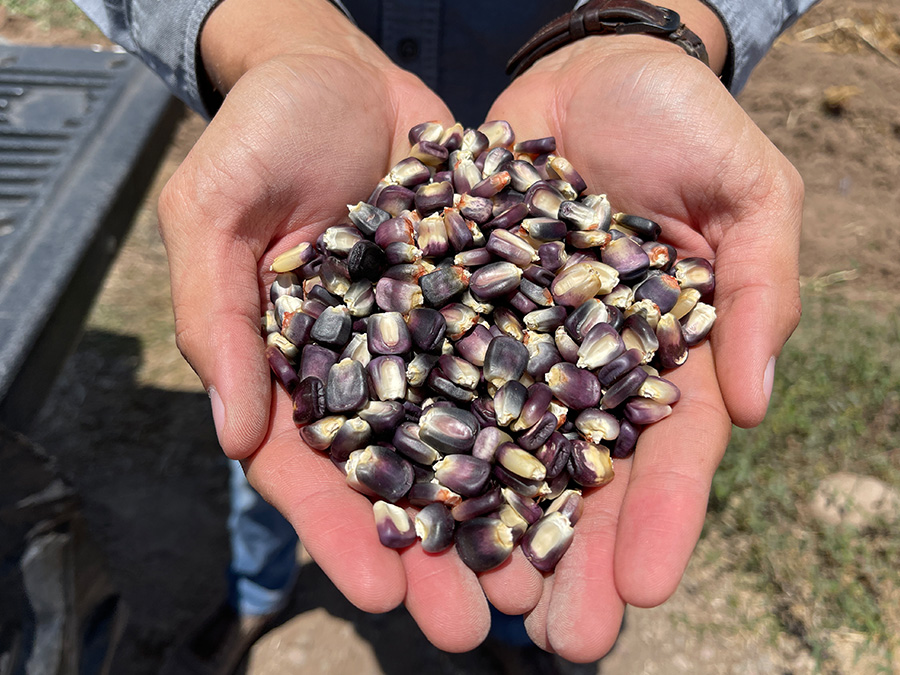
x,y
458,47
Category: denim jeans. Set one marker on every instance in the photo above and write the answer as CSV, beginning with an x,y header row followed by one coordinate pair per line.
x,y
264,560
263,550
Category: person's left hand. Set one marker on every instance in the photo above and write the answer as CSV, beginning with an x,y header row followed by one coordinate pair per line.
x,y
655,130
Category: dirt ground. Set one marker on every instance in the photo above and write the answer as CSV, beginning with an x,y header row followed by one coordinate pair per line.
x,y
155,493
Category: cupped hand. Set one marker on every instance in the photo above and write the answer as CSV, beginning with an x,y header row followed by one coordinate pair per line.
x,y
298,138
655,130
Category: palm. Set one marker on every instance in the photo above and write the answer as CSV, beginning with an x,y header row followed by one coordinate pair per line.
x,y
321,136
663,140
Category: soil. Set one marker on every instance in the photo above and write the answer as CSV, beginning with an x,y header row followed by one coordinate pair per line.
x,y
155,493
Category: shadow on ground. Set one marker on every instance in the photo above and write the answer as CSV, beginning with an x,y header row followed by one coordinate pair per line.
x,y
145,461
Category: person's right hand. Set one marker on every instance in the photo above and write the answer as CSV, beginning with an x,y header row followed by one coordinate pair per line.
x,y
309,125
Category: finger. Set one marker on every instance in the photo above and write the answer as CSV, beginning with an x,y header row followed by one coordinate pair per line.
x,y
536,620
514,588
585,610
215,296
445,599
757,302
668,489
335,523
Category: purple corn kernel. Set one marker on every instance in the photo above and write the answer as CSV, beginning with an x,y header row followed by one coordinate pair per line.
x,y
388,333
590,464
483,410
319,434
444,284
473,347
308,401
393,295
484,543
433,197
597,425
623,388
526,507
536,436
426,131
545,542
477,506
316,361
427,328
508,402
564,170
537,403
387,378
661,289
543,200
673,349
552,255
353,435
459,371
554,454
383,416
397,229
449,430
520,302
509,217
407,442
487,441
435,526
565,345
505,360
601,345
642,228
626,257
697,324
536,146
464,474
422,494
618,367
394,526
576,388
382,471
627,440
584,317
430,153
346,388
523,486
491,185
459,319
545,320
643,411
511,248
442,385
458,233
282,369
479,209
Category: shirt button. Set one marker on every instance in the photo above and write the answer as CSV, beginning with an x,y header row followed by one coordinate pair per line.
x,y
408,49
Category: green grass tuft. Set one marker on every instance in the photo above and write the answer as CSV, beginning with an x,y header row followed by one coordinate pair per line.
x,y
51,14
835,407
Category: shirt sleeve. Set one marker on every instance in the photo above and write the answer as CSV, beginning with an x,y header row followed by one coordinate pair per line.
x,y
164,35
752,27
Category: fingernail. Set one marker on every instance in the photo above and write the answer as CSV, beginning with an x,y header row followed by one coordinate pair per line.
x,y
218,411
769,379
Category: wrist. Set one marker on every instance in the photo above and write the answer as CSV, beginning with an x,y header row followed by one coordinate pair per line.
x,y
601,27
237,37
703,21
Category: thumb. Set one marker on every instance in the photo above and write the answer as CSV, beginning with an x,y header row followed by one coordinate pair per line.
x,y
216,299
757,300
